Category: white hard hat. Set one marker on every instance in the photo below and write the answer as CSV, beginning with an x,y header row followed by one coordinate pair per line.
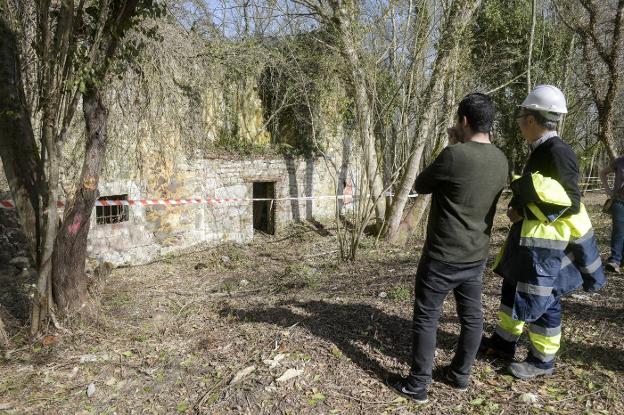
x,y
548,100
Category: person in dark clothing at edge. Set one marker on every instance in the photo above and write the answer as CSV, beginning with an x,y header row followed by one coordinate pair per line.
x,y
466,180
617,212
543,258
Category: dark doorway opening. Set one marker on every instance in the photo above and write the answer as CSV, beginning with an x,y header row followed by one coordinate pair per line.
x,y
264,210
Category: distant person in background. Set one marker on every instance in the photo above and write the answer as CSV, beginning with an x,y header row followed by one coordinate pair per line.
x,y
617,212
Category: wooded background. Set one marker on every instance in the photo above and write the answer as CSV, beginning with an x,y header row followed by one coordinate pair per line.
x,y
82,83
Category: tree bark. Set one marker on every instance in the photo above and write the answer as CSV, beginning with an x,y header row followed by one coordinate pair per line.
x,y
531,39
57,91
42,300
18,148
70,283
412,218
613,63
598,53
458,19
5,341
344,21
4,338
22,166
606,108
605,126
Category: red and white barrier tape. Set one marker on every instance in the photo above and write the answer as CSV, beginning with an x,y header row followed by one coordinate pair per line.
x,y
9,204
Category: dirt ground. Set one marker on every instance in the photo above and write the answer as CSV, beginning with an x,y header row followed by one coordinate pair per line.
x,y
281,326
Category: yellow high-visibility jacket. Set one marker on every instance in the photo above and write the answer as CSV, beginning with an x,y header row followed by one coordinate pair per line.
x,y
548,254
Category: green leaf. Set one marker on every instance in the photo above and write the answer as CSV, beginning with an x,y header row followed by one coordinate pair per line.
x,y
127,353
508,378
182,406
316,398
336,352
477,401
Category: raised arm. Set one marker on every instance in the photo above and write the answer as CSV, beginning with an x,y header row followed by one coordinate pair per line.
x,y
436,173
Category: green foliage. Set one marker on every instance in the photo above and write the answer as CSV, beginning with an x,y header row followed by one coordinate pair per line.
x,y
316,398
499,53
182,406
400,293
298,276
237,146
126,49
294,88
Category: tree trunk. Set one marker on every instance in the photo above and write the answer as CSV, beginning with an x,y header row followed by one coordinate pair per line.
x,y
4,338
458,19
566,80
531,40
344,21
69,278
395,215
18,148
593,36
606,108
367,137
413,217
22,166
605,123
42,300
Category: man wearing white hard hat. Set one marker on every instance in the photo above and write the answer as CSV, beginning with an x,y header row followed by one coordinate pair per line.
x,y
550,250
538,117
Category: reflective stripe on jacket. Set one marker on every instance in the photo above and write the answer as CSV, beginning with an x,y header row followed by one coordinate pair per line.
x,y
548,255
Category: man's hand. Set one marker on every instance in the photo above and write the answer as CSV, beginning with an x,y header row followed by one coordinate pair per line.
x,y
513,215
452,136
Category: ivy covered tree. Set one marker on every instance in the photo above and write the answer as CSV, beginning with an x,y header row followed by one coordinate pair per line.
x,y
63,54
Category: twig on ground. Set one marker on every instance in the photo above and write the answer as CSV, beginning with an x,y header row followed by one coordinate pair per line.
x,y
376,403
577,397
321,254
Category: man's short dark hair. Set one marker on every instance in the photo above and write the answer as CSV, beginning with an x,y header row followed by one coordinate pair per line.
x,y
479,111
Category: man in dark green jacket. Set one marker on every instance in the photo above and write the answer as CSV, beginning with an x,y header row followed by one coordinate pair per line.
x,y
466,180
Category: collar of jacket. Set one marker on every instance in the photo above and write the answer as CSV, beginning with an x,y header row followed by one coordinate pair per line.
x,y
547,136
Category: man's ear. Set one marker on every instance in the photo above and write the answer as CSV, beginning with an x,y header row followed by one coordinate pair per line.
x,y
464,122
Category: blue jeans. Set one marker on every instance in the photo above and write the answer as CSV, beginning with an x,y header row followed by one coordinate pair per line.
x,y
617,232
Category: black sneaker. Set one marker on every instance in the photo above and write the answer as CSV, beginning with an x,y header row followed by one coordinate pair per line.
x,y
448,378
403,387
489,350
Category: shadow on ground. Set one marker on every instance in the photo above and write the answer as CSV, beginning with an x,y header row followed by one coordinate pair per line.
x,y
346,325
